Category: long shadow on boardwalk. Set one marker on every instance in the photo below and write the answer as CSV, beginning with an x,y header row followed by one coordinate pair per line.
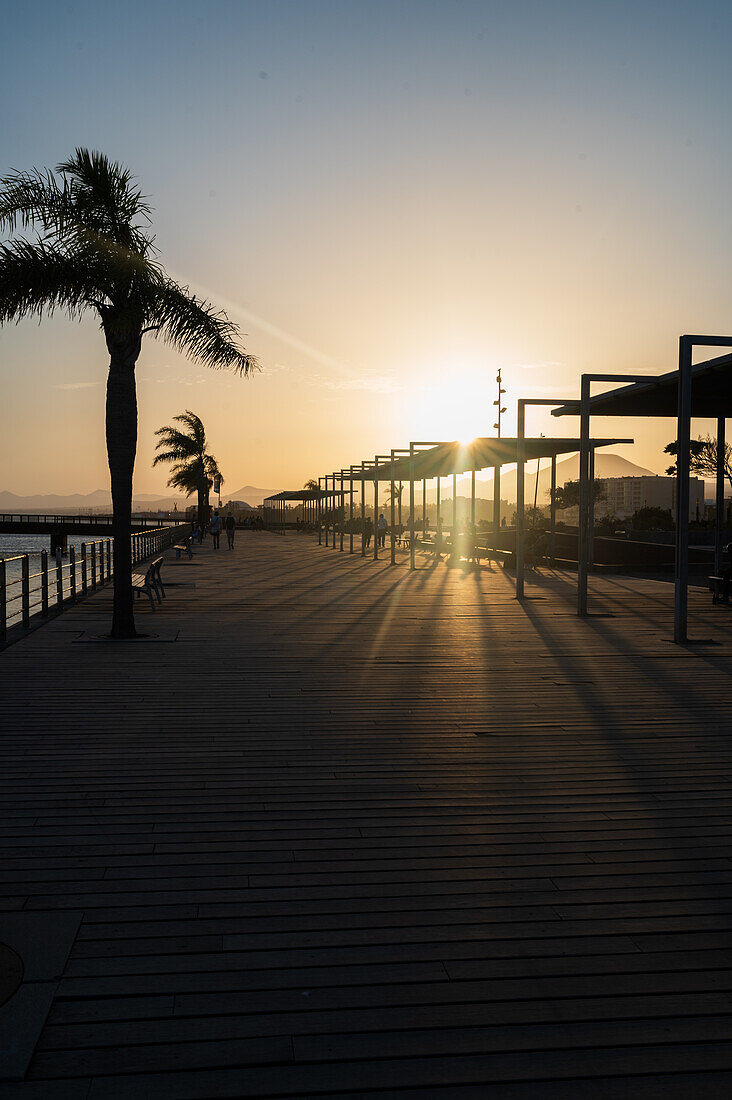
x,y
360,833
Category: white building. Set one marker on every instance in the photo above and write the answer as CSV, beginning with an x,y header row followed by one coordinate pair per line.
x,y
626,495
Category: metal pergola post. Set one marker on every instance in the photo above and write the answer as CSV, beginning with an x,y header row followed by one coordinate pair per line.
x,y
391,517
394,452
591,515
585,493
583,518
376,508
424,507
412,548
472,497
683,462
453,533
496,505
553,509
350,512
363,513
320,512
719,496
342,507
520,464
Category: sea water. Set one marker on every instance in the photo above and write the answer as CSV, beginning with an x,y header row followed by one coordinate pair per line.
x,y
13,545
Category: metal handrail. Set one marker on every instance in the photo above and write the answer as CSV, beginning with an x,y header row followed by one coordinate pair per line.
x,y
61,583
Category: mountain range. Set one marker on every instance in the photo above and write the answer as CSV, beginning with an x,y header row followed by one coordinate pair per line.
x,y
100,501
607,464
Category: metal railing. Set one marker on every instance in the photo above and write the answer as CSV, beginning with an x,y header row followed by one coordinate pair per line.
x,y
100,519
59,583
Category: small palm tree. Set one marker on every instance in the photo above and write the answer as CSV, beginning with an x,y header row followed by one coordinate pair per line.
x,y
396,492
91,251
311,485
193,470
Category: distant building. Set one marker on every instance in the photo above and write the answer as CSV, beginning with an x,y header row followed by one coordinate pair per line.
x,y
626,495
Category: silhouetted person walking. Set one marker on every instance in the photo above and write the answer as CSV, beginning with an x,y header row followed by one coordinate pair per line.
x,y
230,528
216,526
368,530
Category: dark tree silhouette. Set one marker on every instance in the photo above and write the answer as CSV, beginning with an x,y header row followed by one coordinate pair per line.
x,y
193,469
567,495
91,251
703,457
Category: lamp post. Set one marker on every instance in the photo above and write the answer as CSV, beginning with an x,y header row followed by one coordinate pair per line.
x,y
497,469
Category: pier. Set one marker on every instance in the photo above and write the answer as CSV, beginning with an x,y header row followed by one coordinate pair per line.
x,y
337,828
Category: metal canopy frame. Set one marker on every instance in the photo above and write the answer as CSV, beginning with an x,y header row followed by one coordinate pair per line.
x,y
427,459
702,390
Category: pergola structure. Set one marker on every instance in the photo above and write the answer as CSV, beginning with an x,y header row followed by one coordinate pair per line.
x,y
274,506
693,390
425,461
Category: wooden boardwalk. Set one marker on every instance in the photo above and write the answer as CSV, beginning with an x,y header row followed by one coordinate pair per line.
x,y
358,832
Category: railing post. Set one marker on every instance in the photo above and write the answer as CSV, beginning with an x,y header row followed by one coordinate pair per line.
x,y
59,579
25,589
72,570
44,582
3,601
84,577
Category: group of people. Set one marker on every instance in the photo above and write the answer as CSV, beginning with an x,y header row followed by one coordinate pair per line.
x,y
382,528
216,525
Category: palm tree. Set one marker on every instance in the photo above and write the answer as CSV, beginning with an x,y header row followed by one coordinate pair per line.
x,y
91,251
311,485
396,491
192,469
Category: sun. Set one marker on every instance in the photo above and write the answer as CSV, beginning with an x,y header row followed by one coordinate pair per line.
x,y
458,406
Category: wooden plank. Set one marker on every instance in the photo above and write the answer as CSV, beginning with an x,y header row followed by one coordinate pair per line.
x,y
428,840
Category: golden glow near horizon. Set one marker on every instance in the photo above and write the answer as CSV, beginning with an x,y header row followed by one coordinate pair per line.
x,y
392,201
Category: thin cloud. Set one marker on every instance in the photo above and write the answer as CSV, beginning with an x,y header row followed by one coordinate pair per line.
x,y
545,364
75,385
272,329
374,383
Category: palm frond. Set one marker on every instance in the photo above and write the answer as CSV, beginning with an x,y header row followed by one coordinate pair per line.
x,y
28,198
211,467
196,329
191,465
171,456
195,426
105,198
37,277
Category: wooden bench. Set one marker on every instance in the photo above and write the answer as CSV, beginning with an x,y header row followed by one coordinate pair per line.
x,y
183,547
149,582
716,584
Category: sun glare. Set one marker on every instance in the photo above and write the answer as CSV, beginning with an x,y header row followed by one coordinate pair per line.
x,y
458,406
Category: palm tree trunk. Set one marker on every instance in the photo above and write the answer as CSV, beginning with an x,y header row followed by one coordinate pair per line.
x,y
121,449
201,508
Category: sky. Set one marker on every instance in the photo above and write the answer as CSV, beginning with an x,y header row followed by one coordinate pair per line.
x,y
391,200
